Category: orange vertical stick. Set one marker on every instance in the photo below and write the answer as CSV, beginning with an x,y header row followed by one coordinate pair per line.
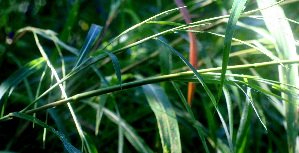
x,y
193,51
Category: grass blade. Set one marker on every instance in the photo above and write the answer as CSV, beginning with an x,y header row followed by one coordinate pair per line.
x,y
205,87
166,23
230,29
197,127
165,64
285,45
116,67
100,107
21,74
62,137
18,76
93,33
166,118
134,27
132,136
78,126
230,112
244,123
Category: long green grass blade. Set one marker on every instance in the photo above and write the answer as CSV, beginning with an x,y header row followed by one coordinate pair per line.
x,y
134,27
62,137
196,126
286,47
92,35
230,111
166,118
244,123
99,115
165,64
78,126
230,29
48,35
20,75
166,23
204,85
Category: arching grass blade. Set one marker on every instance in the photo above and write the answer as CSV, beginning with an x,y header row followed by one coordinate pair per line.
x,y
198,128
19,75
65,142
166,118
116,67
230,29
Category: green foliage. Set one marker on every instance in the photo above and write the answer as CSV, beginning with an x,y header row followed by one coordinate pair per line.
x,y
110,81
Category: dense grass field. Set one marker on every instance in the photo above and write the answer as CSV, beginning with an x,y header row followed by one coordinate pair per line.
x,y
149,76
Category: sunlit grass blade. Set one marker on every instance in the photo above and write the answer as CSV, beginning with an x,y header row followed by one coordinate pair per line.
x,y
188,108
244,123
264,84
99,114
20,75
211,96
258,46
48,35
268,92
78,126
134,27
258,30
92,35
65,142
230,29
286,48
230,111
166,118
166,23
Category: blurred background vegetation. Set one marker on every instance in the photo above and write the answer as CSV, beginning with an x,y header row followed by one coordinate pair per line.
x,y
72,19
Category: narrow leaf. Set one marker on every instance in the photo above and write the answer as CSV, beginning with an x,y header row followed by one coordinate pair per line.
x,y
244,123
62,137
116,67
132,136
166,23
281,31
204,85
198,128
230,111
238,5
166,118
100,107
93,33
20,74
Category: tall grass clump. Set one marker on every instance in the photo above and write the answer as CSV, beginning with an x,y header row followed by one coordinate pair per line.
x,y
107,76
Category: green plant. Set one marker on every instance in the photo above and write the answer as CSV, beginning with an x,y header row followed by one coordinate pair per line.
x,y
235,109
